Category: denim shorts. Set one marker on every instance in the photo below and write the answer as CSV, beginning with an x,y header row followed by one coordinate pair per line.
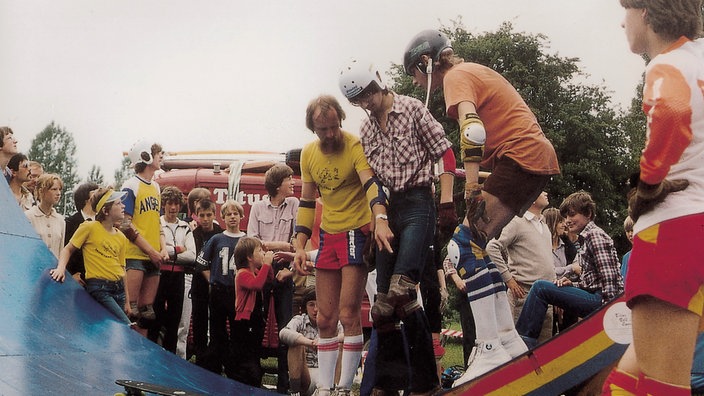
x,y
145,266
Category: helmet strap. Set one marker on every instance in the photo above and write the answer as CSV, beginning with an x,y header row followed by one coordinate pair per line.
x,y
429,73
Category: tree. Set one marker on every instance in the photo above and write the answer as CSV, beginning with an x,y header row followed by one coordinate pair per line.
x,y
96,175
125,172
55,149
597,145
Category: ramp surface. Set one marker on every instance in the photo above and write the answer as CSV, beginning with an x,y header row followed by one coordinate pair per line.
x,y
55,339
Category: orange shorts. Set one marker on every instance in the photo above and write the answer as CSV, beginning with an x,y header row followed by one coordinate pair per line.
x,y
667,262
341,249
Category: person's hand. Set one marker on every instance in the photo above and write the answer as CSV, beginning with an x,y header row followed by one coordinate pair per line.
x,y
157,257
284,274
576,268
515,288
444,298
459,283
283,256
645,197
563,282
447,218
312,343
268,257
383,235
57,275
300,263
77,277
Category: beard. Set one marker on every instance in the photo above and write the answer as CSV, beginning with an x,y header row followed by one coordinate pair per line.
x,y
332,145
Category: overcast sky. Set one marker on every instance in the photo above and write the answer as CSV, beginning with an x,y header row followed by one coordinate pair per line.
x,y
236,74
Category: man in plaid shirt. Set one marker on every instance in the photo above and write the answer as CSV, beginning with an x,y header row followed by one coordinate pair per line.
x,y
601,279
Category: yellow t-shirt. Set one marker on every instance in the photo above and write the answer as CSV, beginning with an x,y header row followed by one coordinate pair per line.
x,y
143,203
345,205
103,251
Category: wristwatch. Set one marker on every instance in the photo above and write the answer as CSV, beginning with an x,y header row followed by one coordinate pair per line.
x,y
382,216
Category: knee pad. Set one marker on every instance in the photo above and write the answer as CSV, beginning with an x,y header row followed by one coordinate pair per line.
x,y
403,296
147,312
147,317
146,323
383,314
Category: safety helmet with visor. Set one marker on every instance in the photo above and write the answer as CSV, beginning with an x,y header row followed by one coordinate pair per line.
x,y
428,42
141,152
359,80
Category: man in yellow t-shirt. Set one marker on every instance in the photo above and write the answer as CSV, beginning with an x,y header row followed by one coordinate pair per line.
x,y
336,167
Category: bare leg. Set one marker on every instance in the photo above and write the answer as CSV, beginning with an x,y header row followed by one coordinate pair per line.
x,y
497,214
327,288
354,278
664,337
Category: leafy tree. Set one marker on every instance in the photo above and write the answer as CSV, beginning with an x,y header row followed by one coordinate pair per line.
x,y
596,144
124,173
96,175
55,149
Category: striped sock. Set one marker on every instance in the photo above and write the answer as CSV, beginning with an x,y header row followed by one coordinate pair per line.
x,y
619,383
651,386
351,354
327,360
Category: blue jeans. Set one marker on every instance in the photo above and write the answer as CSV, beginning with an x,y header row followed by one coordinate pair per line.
x,y
412,220
544,293
111,294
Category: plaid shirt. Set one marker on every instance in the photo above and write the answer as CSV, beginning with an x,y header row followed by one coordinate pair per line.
x,y
301,324
599,262
403,156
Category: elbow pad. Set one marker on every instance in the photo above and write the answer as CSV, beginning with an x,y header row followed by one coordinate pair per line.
x,y
472,138
375,192
305,217
130,232
446,164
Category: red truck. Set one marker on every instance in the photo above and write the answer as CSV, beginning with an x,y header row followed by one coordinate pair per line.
x,y
238,174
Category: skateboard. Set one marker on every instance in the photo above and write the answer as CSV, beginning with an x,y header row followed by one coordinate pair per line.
x,y
564,361
139,388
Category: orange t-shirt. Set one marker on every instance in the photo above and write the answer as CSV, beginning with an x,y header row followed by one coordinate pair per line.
x,y
511,127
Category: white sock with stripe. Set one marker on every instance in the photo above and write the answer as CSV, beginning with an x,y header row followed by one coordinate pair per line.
x,y
351,355
327,360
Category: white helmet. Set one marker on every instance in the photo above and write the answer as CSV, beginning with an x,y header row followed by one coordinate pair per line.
x,y
453,252
141,152
357,76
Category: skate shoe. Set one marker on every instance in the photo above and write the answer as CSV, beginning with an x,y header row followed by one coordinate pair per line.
x,y
485,356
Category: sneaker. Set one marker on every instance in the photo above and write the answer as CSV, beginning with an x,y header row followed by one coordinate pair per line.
x,y
513,344
322,392
485,356
342,392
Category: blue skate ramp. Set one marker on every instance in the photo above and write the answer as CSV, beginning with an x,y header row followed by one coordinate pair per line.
x,y
55,339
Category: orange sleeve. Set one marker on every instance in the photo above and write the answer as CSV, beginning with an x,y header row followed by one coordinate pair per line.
x,y
666,102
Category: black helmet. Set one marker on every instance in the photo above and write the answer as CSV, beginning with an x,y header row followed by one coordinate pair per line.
x,y
428,42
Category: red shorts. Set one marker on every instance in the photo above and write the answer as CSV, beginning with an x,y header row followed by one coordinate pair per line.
x,y
666,263
341,249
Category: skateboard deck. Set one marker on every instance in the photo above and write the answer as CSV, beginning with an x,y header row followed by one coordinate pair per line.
x,y
134,388
564,361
